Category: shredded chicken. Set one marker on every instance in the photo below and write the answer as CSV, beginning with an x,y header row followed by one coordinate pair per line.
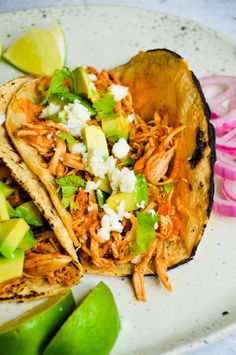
x,y
153,145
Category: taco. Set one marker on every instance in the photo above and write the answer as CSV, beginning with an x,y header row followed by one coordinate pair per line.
x,y
127,158
45,260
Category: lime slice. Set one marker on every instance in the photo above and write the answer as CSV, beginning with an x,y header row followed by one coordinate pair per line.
x,y
31,332
91,329
38,51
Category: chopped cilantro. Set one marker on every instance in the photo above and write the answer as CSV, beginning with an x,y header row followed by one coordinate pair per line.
x,y
105,107
168,187
67,97
69,185
68,137
127,162
57,84
146,231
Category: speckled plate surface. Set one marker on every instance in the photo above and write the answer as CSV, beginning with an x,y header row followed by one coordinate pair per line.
x,y
202,307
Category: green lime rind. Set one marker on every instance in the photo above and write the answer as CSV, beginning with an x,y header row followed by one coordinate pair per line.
x,y
92,328
29,333
45,48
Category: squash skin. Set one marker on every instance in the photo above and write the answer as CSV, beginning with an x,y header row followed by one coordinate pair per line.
x,y
204,137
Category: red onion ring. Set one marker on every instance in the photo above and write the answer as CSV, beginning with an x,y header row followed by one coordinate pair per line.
x,y
223,105
229,190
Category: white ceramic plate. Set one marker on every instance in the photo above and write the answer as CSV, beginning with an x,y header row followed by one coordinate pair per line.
x,y
205,288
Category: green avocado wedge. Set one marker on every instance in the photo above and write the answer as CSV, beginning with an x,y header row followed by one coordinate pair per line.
x,y
31,332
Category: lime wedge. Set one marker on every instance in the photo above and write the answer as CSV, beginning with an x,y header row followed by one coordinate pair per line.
x,y
38,51
31,332
91,329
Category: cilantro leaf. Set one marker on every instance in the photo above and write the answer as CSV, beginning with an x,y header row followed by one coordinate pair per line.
x,y
169,187
69,185
105,107
57,85
71,180
71,97
146,231
127,162
68,137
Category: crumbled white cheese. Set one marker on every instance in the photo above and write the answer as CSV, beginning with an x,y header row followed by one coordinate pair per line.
x,y
140,204
49,136
121,148
122,180
50,110
91,185
2,118
96,164
121,211
92,77
119,91
78,148
90,208
156,226
77,117
131,117
137,259
111,221
152,211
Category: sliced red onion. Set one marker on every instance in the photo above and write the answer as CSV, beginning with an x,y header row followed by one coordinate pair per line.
x,y
224,207
225,123
229,190
223,92
221,96
225,166
214,115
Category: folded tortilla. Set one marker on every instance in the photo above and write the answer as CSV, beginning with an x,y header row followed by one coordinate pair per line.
x,y
158,80
32,288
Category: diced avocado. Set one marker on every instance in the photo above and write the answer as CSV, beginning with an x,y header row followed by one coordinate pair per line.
x,y
28,241
12,232
116,128
84,85
3,207
11,268
105,185
132,199
7,190
30,213
101,197
12,213
95,139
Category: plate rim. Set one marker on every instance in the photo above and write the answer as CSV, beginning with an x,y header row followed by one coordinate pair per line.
x,y
223,331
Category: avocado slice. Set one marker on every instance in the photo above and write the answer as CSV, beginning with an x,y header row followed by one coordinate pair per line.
x,y
28,241
4,215
115,128
131,199
84,86
11,268
105,185
12,213
7,190
12,232
30,213
95,139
